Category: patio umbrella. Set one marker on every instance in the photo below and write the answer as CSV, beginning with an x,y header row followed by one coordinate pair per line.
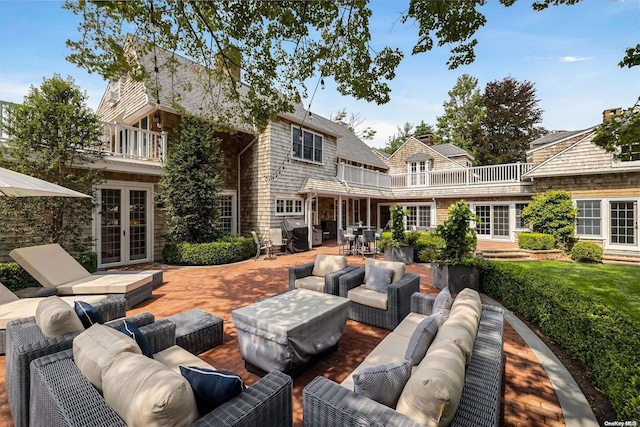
x,y
15,184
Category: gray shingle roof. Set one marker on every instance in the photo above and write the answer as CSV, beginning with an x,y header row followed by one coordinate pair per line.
x,y
419,157
449,150
555,137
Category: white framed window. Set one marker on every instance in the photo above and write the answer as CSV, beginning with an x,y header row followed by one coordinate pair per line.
x,y
630,153
289,207
307,145
227,222
418,173
589,221
356,211
519,222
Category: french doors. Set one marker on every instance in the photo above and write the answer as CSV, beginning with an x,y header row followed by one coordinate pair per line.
x,y
623,224
123,225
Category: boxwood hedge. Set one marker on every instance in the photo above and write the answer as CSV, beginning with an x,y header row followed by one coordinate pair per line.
x,y
214,253
15,277
587,252
536,241
606,342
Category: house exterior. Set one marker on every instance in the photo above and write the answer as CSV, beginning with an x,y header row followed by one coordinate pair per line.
x,y
304,166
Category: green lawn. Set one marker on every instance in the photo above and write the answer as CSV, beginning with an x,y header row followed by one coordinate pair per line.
x,y
617,286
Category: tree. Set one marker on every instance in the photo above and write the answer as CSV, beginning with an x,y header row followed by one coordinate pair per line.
x,y
552,212
621,135
191,182
280,44
50,134
462,114
404,133
509,123
353,123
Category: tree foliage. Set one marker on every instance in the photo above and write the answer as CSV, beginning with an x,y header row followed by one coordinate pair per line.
x,y
621,135
404,133
281,44
191,180
460,240
50,134
462,114
552,212
354,122
509,123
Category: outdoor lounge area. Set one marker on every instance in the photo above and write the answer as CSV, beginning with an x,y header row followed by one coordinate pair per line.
x,y
528,397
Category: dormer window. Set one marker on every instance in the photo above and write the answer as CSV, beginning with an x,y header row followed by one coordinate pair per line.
x,y
418,165
630,153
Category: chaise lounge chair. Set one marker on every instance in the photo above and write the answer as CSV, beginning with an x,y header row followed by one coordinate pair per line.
x,y
53,267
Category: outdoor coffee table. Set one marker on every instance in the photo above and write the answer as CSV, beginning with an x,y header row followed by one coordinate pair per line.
x,y
290,330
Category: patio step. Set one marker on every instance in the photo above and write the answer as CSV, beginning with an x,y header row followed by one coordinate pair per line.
x,y
620,258
503,254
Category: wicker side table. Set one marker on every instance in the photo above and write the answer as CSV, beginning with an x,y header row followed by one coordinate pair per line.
x,y
197,331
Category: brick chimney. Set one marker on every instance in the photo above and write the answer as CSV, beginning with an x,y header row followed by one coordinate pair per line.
x,y
426,139
608,114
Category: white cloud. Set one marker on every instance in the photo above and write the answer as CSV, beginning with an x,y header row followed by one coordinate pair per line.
x,y
574,59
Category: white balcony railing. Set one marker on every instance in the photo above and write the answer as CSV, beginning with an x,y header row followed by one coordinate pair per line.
x,y
119,140
479,175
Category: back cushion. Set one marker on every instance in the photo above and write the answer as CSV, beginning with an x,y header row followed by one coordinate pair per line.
x,y
55,317
397,267
50,265
432,394
326,264
467,300
94,349
144,392
6,295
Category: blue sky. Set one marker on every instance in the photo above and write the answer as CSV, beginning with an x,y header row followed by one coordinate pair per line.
x,y
570,53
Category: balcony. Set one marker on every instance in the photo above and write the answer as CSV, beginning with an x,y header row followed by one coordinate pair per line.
x,y
118,140
474,176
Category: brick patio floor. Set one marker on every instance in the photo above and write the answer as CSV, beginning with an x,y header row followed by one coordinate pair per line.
x,y
529,398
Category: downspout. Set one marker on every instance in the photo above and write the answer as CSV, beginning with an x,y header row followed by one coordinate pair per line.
x,y
239,180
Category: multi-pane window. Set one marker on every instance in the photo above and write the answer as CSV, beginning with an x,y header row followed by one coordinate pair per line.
x,y
307,145
501,220
418,173
226,213
623,222
630,153
519,222
419,216
288,207
483,226
589,217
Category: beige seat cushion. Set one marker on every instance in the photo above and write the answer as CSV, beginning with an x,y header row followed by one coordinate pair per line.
x,y
50,265
6,295
26,307
391,349
326,264
174,356
105,284
55,317
432,394
409,324
368,297
313,283
397,267
145,393
94,349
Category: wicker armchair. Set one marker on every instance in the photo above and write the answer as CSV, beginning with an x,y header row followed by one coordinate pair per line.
x,y
328,283
327,404
25,343
398,297
62,396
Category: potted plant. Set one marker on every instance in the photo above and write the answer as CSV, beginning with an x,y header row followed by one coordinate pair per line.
x,y
398,248
455,266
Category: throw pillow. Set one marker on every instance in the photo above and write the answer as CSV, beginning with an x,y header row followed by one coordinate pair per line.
x,y
55,317
88,314
212,388
384,383
379,279
133,332
443,303
422,337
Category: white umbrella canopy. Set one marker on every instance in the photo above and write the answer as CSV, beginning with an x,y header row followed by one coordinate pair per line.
x,y
14,184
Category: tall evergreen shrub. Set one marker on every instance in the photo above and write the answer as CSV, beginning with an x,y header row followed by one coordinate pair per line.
x,y
552,212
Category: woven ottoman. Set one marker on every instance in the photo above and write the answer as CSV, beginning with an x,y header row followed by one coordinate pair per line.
x,y
197,331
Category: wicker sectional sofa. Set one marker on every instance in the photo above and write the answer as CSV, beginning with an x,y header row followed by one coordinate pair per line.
x,y
62,396
327,403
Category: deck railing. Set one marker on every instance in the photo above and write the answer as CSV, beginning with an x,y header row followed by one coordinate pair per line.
x,y
119,140
479,175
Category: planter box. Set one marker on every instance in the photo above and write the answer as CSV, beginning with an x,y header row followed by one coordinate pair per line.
x,y
399,254
456,277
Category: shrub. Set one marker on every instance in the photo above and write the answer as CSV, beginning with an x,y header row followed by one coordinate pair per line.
x,y
459,238
397,224
587,252
552,212
428,247
606,342
215,253
536,241
15,277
